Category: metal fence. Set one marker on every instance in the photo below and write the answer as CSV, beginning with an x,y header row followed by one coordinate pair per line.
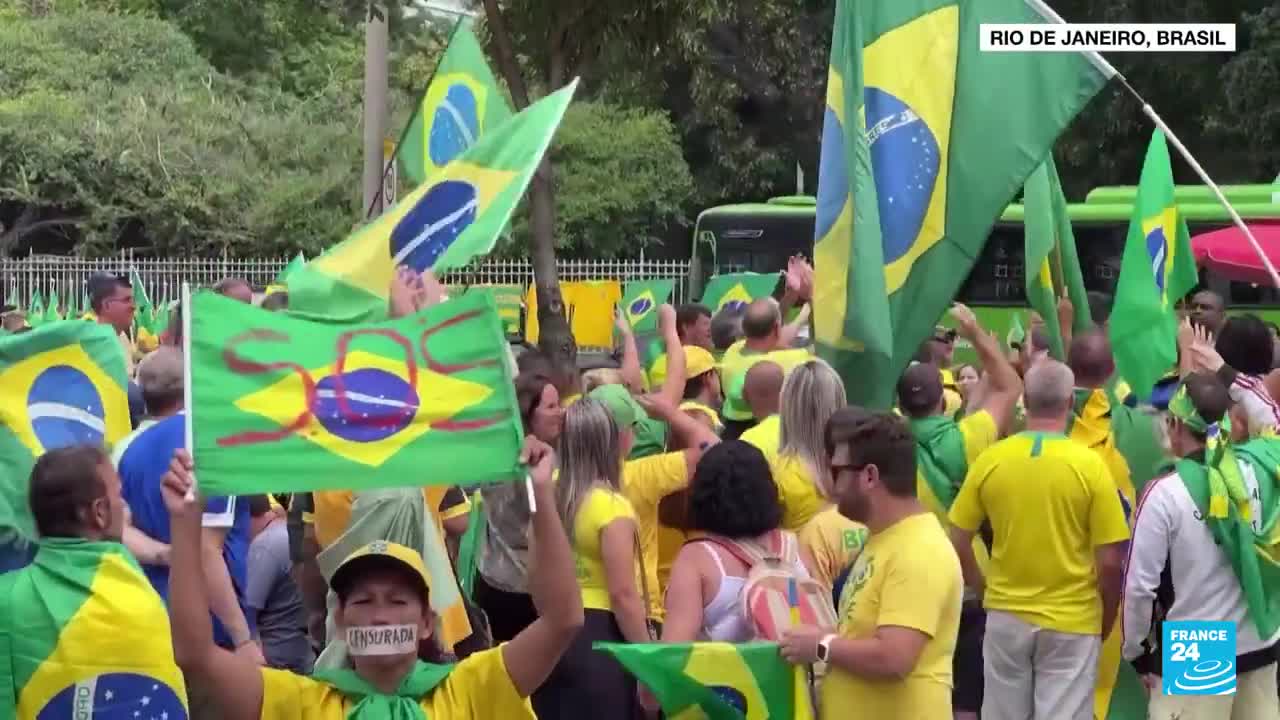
x,y
163,277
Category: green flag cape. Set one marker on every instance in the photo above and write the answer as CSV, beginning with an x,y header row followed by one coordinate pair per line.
x,y
641,300
1156,271
940,456
928,138
51,311
83,634
453,217
724,681
461,105
35,309
1237,491
280,404
737,289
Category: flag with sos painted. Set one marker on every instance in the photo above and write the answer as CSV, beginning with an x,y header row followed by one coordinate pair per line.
x,y
282,404
457,214
62,384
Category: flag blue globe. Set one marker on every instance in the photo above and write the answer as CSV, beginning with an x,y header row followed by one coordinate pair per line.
x,y
378,404
65,408
455,125
905,162
433,224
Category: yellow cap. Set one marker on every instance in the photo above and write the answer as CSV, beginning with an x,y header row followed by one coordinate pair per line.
x,y
385,551
697,360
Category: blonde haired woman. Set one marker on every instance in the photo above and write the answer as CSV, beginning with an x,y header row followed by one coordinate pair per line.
x,y
811,394
602,529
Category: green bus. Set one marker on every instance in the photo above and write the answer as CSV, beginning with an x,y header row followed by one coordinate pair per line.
x,y
760,237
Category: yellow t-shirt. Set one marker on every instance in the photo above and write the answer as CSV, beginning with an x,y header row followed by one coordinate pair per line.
x,y
1051,501
952,400
478,687
907,576
797,490
670,540
598,510
834,541
738,360
645,482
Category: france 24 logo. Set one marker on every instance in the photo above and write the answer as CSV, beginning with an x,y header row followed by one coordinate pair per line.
x,y
1199,658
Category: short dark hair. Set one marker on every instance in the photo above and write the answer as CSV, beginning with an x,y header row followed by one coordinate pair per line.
x,y
529,389
226,284
690,313
1209,395
920,390
64,483
1245,343
278,300
695,385
732,492
101,286
1090,358
259,505
880,439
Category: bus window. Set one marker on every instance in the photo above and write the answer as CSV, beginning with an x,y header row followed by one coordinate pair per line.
x,y
997,276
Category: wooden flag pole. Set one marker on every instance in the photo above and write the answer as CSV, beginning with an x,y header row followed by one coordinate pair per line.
x,y
188,383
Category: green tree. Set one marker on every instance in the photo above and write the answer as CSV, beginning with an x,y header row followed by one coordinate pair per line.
x,y
621,180
117,133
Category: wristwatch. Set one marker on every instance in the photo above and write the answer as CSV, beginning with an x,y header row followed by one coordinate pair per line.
x,y
824,648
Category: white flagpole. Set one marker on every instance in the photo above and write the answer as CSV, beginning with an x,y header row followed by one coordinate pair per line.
x,y
188,382
1110,71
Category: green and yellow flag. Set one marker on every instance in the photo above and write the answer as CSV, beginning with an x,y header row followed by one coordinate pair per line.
x,y
718,681
456,215
738,289
1157,270
462,104
62,384
83,634
641,300
282,277
143,312
1052,265
281,404
928,138
52,311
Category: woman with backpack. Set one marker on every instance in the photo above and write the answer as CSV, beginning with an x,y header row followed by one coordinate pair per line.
x,y
725,585
601,525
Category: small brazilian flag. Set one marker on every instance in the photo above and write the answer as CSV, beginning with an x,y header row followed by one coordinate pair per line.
x,y
737,290
723,681
453,217
35,309
283,276
1156,271
640,302
282,404
460,106
62,384
83,634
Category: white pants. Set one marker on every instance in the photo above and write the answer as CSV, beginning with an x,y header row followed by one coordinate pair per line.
x,y
1255,699
1031,673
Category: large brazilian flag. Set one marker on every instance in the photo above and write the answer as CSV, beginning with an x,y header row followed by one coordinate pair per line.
x,y
62,384
925,142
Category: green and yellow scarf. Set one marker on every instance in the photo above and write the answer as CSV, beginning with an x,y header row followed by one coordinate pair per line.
x,y
1242,516
940,456
370,704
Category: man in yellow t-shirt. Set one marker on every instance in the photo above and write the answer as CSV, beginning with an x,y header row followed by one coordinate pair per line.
x,y
899,611
1053,584
945,448
764,339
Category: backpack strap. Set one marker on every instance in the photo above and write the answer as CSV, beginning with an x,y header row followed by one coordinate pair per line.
x,y
742,554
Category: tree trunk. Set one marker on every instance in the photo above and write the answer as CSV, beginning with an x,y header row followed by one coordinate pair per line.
x,y
555,337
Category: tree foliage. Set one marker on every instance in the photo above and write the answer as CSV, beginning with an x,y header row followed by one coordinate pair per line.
x,y
621,180
117,133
